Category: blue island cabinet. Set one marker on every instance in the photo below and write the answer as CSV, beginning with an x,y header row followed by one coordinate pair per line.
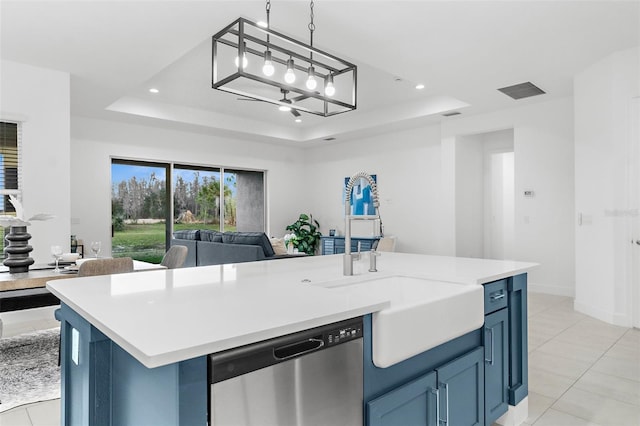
x,y
102,384
505,345
452,394
470,380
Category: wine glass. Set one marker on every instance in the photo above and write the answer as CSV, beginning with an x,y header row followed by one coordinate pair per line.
x,y
95,248
56,251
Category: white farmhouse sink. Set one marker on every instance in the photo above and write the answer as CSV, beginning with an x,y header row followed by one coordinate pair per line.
x,y
423,314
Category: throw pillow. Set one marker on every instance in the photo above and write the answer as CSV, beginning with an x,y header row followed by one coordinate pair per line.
x,y
278,246
187,234
250,238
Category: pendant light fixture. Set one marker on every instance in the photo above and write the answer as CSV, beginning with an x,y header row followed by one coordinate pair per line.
x,y
267,67
319,82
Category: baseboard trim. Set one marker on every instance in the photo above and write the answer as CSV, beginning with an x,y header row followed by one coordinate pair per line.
x,y
551,289
602,315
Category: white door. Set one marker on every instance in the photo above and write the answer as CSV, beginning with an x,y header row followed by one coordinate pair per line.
x,y
634,210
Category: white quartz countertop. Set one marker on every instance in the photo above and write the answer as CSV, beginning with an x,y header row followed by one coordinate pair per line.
x,y
166,316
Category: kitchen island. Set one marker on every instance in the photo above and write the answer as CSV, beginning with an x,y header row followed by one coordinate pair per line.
x,y
135,345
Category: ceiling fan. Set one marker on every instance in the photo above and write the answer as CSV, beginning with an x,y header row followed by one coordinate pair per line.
x,y
281,107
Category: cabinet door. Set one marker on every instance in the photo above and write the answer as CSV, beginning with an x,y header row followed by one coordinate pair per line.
x,y
496,365
413,404
461,387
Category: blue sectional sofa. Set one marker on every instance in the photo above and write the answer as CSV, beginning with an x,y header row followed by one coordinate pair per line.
x,y
216,248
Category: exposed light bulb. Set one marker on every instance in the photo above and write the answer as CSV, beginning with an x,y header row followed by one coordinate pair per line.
x,y
420,86
289,76
154,90
298,120
245,61
311,80
329,88
267,67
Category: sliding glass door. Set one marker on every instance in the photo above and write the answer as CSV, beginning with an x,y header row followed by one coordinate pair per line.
x,y
197,197
139,210
145,210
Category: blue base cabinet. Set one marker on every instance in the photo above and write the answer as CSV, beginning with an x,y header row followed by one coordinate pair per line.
x,y
461,389
102,384
414,404
496,368
505,345
453,394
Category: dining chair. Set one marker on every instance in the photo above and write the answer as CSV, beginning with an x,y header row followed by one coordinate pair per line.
x,y
386,244
95,267
175,257
109,266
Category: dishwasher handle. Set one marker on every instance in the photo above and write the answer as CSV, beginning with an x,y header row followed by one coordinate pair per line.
x,y
297,349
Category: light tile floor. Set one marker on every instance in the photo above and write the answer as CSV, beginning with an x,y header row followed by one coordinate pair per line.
x,y
581,371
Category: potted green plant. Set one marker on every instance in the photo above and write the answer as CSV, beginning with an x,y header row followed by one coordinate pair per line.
x,y
307,234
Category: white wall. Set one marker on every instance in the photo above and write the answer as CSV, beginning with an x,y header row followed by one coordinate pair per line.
x,y
407,165
39,98
543,149
416,171
95,142
603,97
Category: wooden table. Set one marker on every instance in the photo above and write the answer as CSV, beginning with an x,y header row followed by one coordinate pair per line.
x,y
33,279
27,290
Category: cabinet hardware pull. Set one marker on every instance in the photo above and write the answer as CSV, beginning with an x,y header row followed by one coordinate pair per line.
x,y
490,360
446,391
495,297
437,393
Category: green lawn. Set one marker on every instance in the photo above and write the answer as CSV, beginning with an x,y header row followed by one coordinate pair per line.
x,y
147,242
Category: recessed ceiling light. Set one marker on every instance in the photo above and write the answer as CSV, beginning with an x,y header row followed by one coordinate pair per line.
x,y
284,108
420,86
154,90
298,120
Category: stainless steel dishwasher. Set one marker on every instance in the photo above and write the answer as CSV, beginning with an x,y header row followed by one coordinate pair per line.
x,y
312,377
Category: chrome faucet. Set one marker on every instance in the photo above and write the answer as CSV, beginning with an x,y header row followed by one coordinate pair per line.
x,y
348,217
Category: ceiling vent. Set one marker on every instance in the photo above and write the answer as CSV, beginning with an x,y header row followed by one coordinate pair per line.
x,y
522,90
452,113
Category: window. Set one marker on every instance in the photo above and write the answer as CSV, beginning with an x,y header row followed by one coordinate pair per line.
x,y
10,139
215,198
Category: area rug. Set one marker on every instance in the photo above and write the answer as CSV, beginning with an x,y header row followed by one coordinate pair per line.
x,y
29,369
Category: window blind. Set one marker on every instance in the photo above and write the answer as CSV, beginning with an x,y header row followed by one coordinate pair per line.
x,y
10,138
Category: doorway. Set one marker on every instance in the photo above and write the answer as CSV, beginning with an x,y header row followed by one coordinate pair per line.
x,y
499,205
484,195
634,210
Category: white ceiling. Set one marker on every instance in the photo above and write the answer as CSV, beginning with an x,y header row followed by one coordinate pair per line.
x,y
462,51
